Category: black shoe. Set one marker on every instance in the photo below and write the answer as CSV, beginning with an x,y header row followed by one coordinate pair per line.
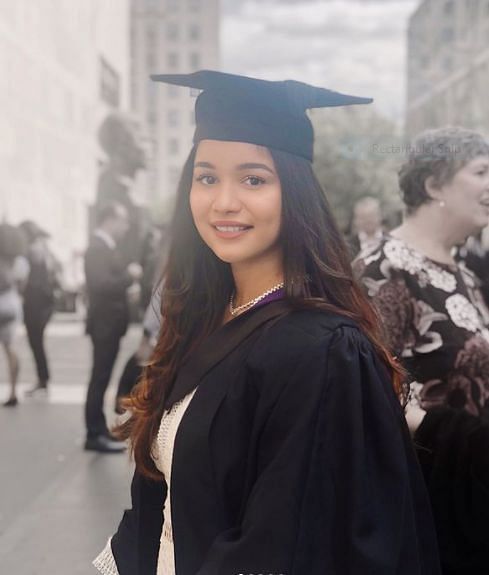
x,y
12,402
104,444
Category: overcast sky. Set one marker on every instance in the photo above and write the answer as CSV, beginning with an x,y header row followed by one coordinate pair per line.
x,y
354,46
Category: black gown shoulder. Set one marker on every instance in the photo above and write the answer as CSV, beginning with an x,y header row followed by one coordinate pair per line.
x,y
293,458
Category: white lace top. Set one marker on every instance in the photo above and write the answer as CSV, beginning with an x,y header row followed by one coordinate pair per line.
x,y
163,457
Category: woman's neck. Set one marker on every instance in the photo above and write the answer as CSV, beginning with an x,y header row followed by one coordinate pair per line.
x,y
252,280
248,287
428,232
251,284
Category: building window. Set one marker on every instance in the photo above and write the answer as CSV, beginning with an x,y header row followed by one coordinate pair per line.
x,y
173,118
151,117
473,9
447,34
134,94
449,6
173,175
152,94
172,91
194,60
151,37
172,60
447,64
151,60
194,32
172,32
173,147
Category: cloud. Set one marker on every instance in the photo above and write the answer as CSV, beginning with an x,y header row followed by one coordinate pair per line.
x,y
349,45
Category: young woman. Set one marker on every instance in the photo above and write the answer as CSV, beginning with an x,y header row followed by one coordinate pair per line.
x,y
267,433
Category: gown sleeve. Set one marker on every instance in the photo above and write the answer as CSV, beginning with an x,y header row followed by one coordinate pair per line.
x,y
134,547
335,487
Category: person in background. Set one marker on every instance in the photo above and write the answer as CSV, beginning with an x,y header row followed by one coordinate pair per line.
x,y
107,282
267,432
437,324
153,259
39,300
153,262
366,225
121,137
14,270
135,364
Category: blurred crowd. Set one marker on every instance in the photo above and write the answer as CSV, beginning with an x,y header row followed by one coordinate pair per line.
x,y
32,288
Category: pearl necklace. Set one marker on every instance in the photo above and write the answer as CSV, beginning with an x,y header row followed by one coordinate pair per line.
x,y
237,310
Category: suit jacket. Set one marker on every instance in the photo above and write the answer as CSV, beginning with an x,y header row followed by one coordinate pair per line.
x,y
293,457
107,281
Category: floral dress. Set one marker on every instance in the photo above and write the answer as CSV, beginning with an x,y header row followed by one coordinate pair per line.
x,y
436,322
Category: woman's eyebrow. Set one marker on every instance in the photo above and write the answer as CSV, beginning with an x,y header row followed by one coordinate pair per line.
x,y
204,165
240,167
254,166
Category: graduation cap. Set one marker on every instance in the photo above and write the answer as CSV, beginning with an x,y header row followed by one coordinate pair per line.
x,y
242,109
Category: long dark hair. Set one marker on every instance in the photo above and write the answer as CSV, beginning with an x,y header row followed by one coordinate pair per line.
x,y
196,287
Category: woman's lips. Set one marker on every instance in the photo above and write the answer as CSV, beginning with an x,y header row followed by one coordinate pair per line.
x,y
230,231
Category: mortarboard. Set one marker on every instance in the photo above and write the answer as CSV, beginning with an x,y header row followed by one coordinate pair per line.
x,y
242,109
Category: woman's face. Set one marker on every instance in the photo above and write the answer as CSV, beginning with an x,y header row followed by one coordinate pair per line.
x,y
466,195
236,201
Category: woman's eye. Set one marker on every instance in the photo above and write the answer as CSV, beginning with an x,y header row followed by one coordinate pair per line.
x,y
206,180
254,180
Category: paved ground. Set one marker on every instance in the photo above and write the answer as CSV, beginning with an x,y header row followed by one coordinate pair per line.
x,y
58,504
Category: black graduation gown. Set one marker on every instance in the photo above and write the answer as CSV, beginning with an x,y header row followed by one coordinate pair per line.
x,y
454,456
292,458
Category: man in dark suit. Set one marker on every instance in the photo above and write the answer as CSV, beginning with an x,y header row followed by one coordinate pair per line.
x,y
107,280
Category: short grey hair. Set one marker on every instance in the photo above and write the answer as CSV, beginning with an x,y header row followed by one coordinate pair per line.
x,y
439,153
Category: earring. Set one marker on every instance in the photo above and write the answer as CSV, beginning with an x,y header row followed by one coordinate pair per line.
x,y
441,203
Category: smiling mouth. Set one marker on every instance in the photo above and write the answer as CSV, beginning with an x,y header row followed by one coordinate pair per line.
x,y
231,229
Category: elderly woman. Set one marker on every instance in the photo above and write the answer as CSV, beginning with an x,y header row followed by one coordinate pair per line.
x,y
436,322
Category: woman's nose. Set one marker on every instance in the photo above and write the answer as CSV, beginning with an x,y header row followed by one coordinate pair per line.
x,y
226,198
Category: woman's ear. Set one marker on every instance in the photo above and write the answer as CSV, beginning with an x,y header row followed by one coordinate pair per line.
x,y
433,190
